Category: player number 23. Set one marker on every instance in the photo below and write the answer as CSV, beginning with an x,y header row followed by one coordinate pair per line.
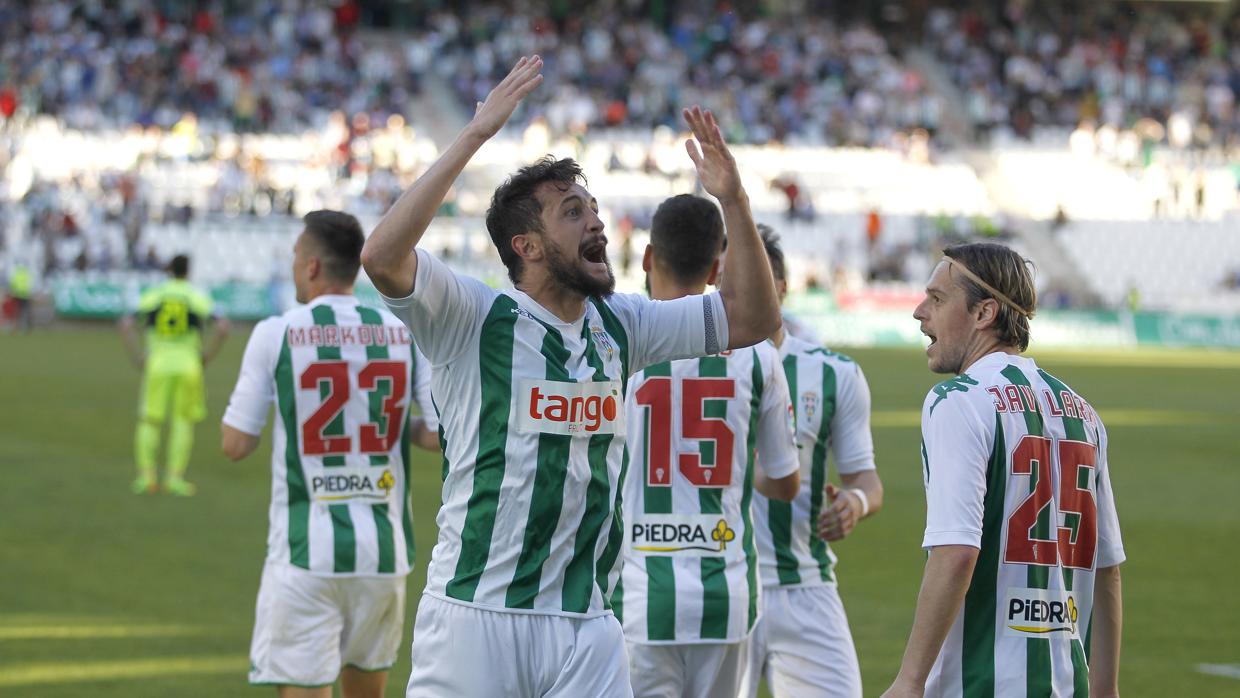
x,y
655,394
1072,547
374,437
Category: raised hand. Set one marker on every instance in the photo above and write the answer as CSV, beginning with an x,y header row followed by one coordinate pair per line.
x,y
715,165
503,99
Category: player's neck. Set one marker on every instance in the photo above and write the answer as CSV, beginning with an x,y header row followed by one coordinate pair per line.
x,y
778,338
564,303
665,288
984,345
330,290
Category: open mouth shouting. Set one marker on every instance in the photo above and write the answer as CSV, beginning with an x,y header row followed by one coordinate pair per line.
x,y
595,253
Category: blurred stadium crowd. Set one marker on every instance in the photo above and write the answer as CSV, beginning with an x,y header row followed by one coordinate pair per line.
x,y
874,131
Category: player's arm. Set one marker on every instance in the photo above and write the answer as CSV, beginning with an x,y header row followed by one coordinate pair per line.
x,y
852,444
777,469
131,341
246,414
956,441
387,254
1107,626
943,587
220,329
236,444
782,488
747,286
422,435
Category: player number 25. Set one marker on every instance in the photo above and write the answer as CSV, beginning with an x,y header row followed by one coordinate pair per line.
x,y
374,437
655,394
1071,548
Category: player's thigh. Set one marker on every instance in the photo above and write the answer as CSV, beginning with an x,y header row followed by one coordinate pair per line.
x,y
755,666
714,669
155,396
810,646
355,683
304,692
598,664
656,671
297,629
189,400
464,651
374,611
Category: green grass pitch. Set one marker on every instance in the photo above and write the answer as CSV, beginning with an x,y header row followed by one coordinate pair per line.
x,y
104,593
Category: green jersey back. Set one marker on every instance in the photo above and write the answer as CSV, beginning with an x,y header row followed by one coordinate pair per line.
x,y
174,313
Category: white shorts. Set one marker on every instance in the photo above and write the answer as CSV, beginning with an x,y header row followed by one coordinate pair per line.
x,y
699,670
463,651
307,627
802,645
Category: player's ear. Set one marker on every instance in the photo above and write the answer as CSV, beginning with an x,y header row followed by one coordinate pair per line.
x,y
528,246
713,277
648,259
314,267
987,313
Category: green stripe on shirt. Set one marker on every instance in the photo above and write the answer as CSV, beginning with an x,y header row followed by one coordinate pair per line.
x,y
495,369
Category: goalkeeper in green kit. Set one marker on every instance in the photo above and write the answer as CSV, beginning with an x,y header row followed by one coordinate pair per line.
x,y
173,314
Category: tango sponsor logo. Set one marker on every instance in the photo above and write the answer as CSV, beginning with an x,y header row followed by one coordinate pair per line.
x,y
343,484
559,407
1041,613
697,536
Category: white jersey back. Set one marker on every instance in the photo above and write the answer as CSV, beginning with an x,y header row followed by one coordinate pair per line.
x,y
831,401
341,376
533,421
1016,465
690,570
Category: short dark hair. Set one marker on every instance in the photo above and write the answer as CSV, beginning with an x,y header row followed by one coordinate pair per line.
x,y
686,236
1008,273
179,266
515,210
774,252
339,239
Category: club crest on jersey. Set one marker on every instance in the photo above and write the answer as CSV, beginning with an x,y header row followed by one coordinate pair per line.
x,y
342,484
575,409
603,340
1040,613
809,404
704,535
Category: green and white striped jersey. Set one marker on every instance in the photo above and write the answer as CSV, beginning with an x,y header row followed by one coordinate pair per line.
x,y
532,410
831,401
1015,464
690,562
341,375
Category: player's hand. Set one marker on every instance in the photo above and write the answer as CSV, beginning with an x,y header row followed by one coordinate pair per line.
x,y
716,168
841,515
492,114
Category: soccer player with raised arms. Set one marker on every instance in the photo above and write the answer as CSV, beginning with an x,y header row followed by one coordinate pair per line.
x,y
703,435
1021,590
342,377
802,644
531,384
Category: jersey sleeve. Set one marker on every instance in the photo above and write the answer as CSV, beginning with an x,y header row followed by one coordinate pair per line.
x,y
445,309
852,444
148,301
958,444
1110,545
776,443
255,389
683,328
422,389
201,304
